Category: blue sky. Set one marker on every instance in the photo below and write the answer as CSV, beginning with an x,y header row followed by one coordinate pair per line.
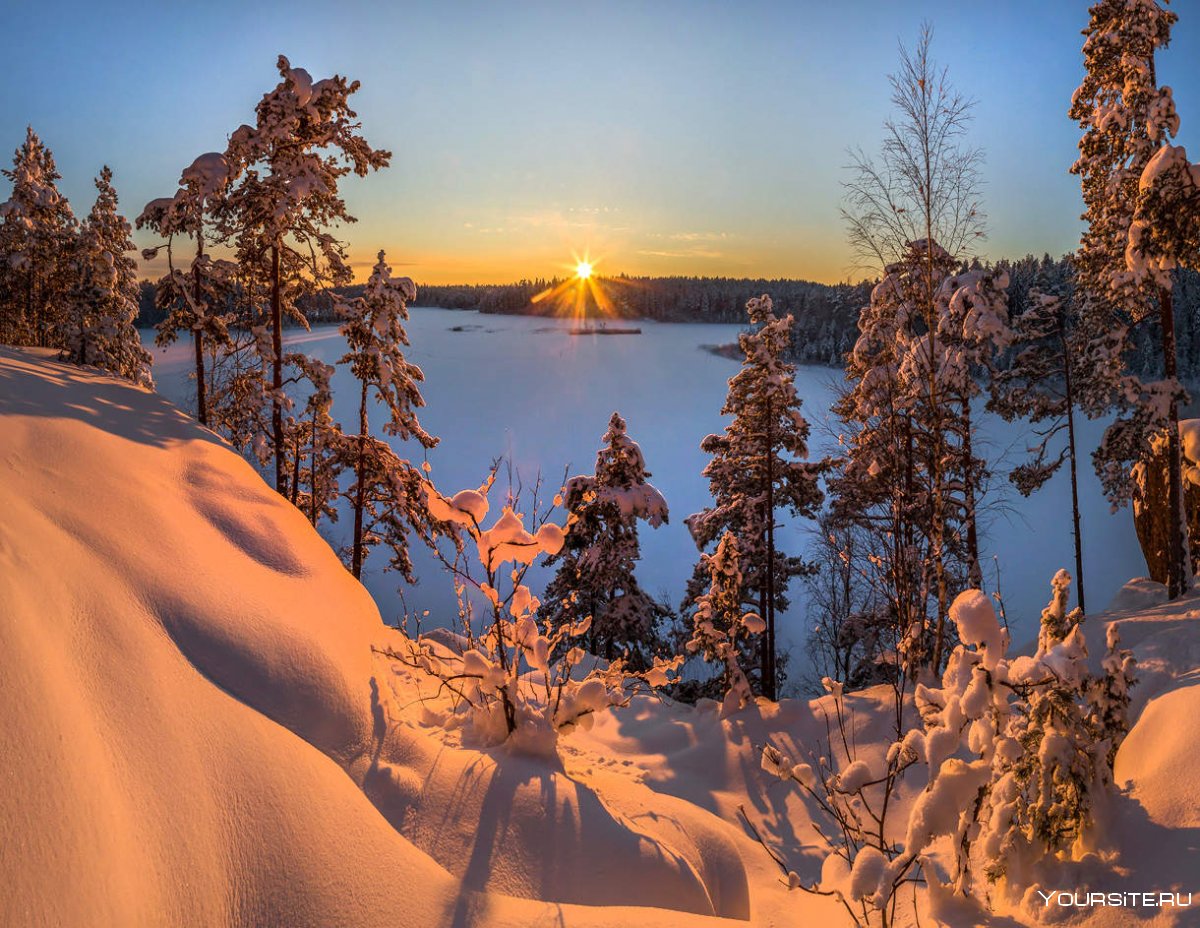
x,y
662,137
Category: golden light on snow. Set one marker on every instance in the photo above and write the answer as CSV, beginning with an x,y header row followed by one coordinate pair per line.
x,y
583,270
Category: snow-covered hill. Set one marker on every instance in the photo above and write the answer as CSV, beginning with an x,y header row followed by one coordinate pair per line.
x,y
195,728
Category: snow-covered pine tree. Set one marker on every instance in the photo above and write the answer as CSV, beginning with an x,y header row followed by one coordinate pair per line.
x,y
1126,118
37,231
758,467
193,298
923,189
1041,383
387,490
596,574
304,141
720,623
102,310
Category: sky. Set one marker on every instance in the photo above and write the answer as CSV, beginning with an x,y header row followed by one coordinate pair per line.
x,y
659,138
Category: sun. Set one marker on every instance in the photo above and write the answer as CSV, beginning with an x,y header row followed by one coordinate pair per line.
x,y
583,270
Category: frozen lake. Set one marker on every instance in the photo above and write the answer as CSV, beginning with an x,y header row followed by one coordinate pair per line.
x,y
523,387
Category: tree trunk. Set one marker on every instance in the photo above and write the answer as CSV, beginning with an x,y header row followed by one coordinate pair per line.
x,y
312,478
974,570
198,338
937,499
1070,400
277,368
769,682
360,486
294,489
1178,572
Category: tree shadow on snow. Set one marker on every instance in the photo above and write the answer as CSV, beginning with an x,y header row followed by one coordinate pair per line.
x,y
33,384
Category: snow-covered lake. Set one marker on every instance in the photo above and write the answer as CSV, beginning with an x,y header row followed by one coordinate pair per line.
x,y
523,387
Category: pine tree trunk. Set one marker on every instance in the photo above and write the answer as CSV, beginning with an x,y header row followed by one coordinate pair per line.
x,y
277,368
360,486
294,489
937,499
198,338
905,538
1070,400
201,387
769,683
30,317
1178,570
974,570
312,475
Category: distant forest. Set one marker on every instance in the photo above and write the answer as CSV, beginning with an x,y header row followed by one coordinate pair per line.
x,y
826,315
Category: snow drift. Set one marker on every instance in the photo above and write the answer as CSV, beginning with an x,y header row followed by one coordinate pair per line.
x,y
196,729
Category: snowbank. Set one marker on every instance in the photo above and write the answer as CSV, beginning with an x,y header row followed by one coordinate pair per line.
x,y
196,730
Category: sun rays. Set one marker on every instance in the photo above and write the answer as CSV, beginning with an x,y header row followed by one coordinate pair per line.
x,y
581,294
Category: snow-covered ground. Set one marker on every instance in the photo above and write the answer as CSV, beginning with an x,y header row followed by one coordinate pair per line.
x,y
522,386
197,731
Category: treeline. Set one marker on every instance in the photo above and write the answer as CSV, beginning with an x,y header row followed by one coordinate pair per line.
x,y
826,315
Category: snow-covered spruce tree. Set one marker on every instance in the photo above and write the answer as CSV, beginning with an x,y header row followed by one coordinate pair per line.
x,y
596,567
1014,760
385,487
1126,118
512,680
102,309
1109,694
720,623
37,231
1041,383
304,141
758,467
193,298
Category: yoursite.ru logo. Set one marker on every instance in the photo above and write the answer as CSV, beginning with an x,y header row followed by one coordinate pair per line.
x,y
1115,900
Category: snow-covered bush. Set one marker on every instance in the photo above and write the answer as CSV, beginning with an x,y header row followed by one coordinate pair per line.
x,y
854,795
515,680
1017,750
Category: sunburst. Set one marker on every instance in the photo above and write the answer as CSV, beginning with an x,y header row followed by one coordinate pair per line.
x,y
573,295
